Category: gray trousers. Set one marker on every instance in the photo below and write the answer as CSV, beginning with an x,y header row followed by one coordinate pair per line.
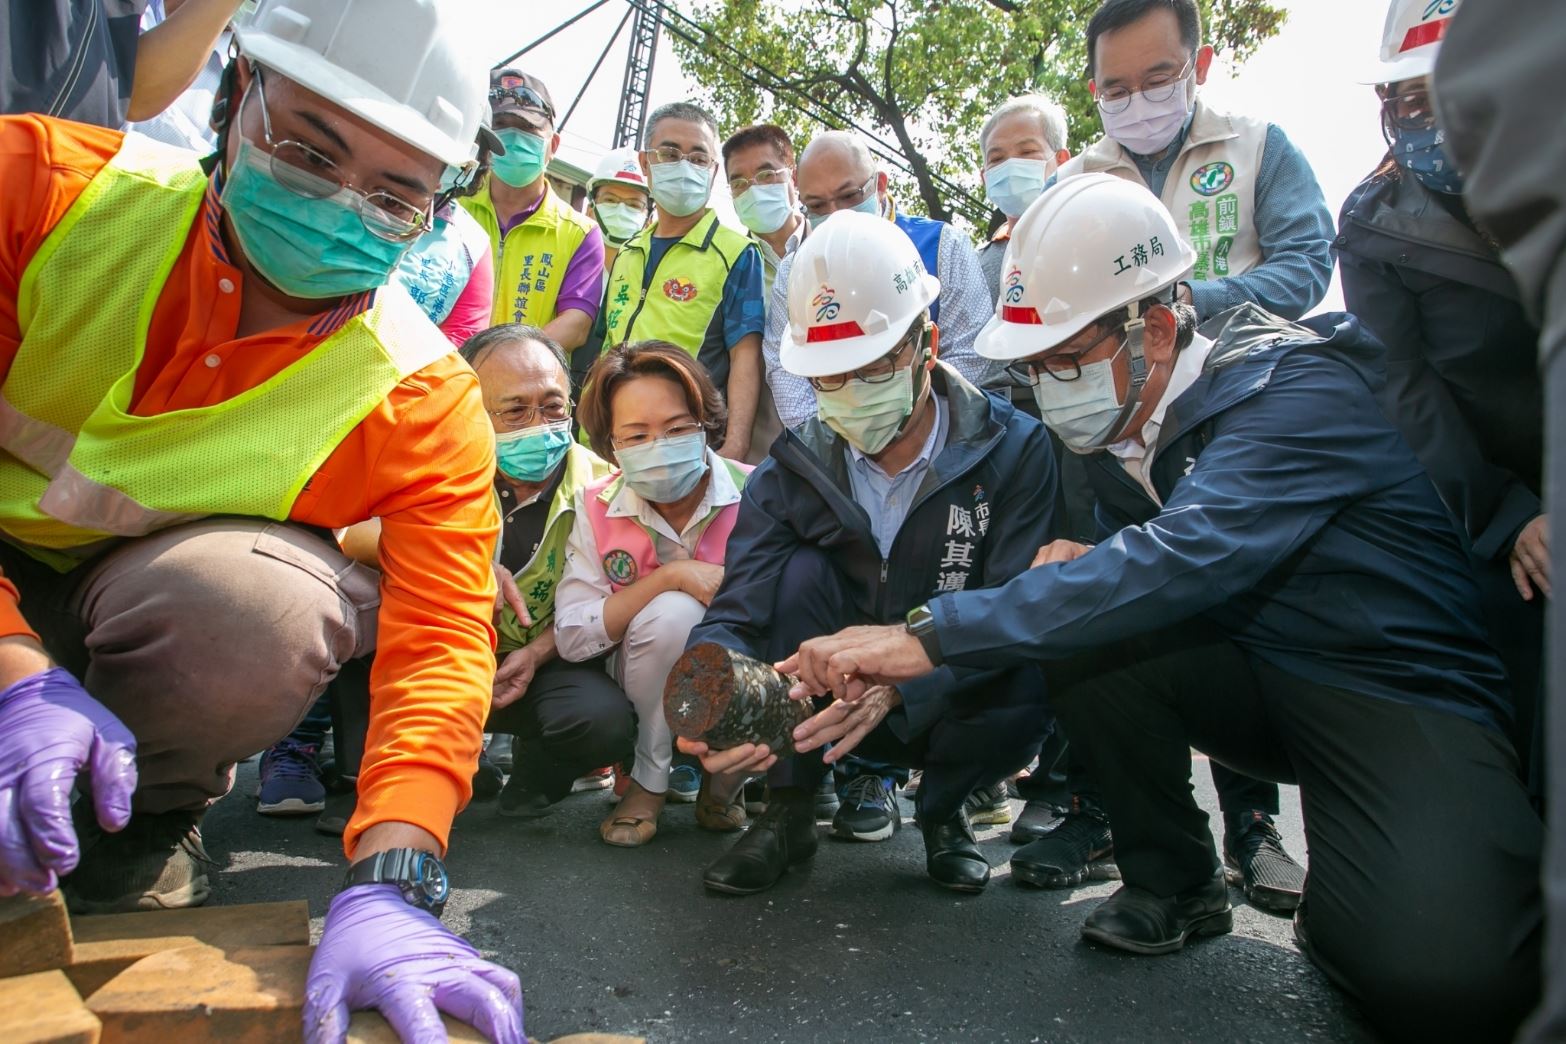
x,y
209,640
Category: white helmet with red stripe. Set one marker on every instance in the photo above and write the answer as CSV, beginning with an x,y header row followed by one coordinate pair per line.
x,y
856,287
1411,39
1089,246
621,167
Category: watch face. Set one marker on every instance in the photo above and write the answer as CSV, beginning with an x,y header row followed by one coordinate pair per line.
x,y
430,877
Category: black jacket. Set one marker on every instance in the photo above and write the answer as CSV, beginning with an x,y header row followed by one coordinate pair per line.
x,y
75,59
1462,369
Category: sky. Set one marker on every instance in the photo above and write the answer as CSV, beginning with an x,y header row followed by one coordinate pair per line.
x,y
1304,80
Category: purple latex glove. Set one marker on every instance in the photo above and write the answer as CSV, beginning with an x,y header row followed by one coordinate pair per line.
x,y
379,952
51,732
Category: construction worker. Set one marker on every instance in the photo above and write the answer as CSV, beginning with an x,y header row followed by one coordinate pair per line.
x,y
549,258
169,482
1286,591
686,278
1245,197
617,199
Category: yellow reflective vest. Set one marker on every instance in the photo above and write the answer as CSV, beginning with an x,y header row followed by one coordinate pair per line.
x,y
531,259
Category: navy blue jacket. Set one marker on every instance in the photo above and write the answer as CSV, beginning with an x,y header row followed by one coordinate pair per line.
x,y
993,488
1294,517
1462,358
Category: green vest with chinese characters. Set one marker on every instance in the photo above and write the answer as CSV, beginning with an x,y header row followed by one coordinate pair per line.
x,y
684,292
531,259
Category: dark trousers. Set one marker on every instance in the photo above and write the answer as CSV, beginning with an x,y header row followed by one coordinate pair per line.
x,y
992,730
1423,898
572,719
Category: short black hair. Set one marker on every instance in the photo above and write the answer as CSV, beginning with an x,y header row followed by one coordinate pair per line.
x,y
759,134
481,344
1117,14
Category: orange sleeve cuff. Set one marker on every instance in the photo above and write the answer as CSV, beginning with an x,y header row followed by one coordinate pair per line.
x,y
12,623
426,797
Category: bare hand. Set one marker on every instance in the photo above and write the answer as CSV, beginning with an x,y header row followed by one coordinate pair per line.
x,y
844,724
507,593
747,759
1530,558
700,580
1059,551
513,677
847,663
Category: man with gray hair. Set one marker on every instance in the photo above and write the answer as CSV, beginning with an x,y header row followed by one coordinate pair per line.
x,y
1023,143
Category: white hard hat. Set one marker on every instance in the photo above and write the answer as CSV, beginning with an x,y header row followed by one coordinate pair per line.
x,y
1090,245
618,166
856,287
1411,39
401,65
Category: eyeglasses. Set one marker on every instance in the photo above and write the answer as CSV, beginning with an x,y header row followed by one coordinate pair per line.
x,y
525,97
305,172
1410,111
878,372
646,438
1062,367
764,176
845,201
670,154
522,416
1157,88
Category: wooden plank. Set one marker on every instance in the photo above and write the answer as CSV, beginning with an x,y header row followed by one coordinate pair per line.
x,y
43,1007
35,934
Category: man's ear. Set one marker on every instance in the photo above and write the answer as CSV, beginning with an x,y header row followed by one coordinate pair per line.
x,y
934,346
554,147
1160,328
1204,62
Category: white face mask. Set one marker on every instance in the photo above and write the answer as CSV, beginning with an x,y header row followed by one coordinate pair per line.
x,y
1146,128
1082,412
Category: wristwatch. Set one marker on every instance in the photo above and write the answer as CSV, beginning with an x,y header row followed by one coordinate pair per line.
x,y
921,624
419,874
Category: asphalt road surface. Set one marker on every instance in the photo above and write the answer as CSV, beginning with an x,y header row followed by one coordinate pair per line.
x,y
857,946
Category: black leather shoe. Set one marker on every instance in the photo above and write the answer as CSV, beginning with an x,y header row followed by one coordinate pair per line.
x,y
951,856
1137,921
784,835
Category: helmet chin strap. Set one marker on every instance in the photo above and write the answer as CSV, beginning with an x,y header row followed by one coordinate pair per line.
x,y
1135,328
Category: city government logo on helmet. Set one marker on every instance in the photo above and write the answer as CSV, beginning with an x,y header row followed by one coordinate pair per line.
x,y
1429,32
620,567
678,289
1014,285
827,308
1212,179
825,304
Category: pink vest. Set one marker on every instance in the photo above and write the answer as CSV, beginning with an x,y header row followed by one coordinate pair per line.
x,y
625,549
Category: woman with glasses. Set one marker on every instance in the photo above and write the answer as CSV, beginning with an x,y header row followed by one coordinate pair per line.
x,y
646,555
1462,381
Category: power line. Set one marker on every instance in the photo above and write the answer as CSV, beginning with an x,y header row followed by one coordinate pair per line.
x,y
593,72
568,23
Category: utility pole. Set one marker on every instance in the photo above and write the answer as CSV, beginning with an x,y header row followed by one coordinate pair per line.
x,y
638,74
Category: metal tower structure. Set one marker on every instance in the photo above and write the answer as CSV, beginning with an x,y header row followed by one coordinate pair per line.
x,y
638,74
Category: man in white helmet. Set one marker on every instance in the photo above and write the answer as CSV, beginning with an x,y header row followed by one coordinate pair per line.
x,y
204,377
1287,593
910,482
617,199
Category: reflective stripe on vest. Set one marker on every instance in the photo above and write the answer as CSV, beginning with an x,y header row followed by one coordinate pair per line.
x,y
530,262
685,291
78,467
625,547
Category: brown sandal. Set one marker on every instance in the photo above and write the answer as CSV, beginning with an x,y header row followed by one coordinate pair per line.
x,y
623,828
715,814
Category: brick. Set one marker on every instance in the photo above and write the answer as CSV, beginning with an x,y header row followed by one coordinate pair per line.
x,y
106,945
242,996
43,1007
367,1027
35,934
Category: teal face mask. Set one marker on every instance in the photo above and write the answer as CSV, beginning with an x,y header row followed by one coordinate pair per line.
x,y
306,247
523,162
763,208
869,416
664,470
532,454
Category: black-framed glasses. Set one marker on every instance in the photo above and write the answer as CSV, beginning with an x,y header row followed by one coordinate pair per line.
x,y
1159,87
525,416
878,372
525,97
682,430
1409,111
764,176
1063,367
670,154
843,201
306,172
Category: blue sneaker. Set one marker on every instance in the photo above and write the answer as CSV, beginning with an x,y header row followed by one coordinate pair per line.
x,y
290,780
684,783
869,809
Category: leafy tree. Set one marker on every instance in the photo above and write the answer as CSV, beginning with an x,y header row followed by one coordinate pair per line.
x,y
922,74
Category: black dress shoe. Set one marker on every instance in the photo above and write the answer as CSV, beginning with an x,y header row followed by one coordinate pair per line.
x,y
785,834
951,856
1136,920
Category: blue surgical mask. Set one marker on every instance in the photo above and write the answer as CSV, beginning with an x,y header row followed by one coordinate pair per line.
x,y
681,188
532,454
664,470
619,221
764,208
306,247
869,415
1083,411
524,160
1422,154
1014,184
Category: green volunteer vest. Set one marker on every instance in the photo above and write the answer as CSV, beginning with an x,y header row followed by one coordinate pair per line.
x,y
530,262
538,579
78,468
684,292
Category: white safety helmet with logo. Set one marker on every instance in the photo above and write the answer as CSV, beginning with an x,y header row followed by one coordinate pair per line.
x,y
620,167
401,65
856,286
1411,39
